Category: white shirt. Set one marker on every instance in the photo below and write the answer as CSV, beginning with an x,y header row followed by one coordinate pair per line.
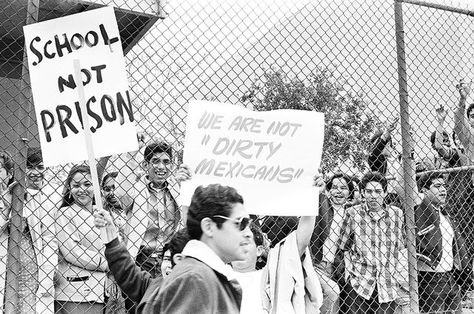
x,y
251,292
447,257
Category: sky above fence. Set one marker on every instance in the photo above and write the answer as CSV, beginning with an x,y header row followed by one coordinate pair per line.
x,y
215,49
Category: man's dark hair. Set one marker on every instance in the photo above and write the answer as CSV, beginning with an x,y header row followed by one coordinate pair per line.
x,y
113,174
176,245
427,179
346,178
214,199
373,176
278,227
257,233
156,148
433,136
33,157
469,109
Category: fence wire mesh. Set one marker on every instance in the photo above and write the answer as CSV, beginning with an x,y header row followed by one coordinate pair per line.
x,y
336,57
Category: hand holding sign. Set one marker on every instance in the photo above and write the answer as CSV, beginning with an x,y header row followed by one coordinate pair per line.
x,y
183,173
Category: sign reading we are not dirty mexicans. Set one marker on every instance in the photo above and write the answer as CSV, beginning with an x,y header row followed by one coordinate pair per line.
x,y
270,157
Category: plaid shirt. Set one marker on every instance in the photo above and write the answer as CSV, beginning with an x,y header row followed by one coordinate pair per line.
x,y
372,244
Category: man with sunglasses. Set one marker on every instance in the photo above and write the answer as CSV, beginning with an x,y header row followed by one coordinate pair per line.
x,y
203,282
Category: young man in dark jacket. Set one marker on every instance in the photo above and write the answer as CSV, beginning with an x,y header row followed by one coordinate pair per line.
x,y
203,282
443,262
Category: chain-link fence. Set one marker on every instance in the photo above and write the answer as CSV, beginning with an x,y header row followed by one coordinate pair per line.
x,y
388,78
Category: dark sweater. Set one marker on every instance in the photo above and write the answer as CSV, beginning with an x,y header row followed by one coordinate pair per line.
x,y
138,285
193,287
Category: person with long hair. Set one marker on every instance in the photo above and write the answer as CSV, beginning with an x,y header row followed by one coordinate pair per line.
x,y
82,267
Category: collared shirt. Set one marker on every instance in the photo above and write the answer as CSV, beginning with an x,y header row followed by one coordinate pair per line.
x,y
201,251
163,217
372,242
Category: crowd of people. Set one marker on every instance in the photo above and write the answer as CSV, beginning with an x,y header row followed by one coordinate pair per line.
x,y
144,253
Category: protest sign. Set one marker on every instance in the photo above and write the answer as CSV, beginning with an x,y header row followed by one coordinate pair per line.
x,y
269,157
93,38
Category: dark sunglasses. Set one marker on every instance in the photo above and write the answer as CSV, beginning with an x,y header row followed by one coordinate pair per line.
x,y
241,223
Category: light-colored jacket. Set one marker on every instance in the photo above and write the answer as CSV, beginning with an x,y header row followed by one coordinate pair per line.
x,y
286,289
82,266
133,193
39,212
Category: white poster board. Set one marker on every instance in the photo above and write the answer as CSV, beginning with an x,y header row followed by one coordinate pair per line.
x,y
270,157
93,38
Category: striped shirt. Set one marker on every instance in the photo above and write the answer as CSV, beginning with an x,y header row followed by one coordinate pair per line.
x,y
372,242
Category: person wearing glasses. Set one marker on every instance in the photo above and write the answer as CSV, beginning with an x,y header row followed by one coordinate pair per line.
x,y
372,239
443,262
203,281
37,244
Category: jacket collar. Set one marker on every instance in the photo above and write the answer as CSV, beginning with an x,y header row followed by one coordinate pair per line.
x,y
201,251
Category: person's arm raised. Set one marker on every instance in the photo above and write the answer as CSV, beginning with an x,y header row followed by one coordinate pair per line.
x,y
306,223
130,278
461,123
441,114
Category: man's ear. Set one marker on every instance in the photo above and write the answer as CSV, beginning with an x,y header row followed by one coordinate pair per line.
x,y
144,164
177,258
207,227
260,250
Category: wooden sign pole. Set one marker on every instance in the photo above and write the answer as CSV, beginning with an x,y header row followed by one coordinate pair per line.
x,y
88,138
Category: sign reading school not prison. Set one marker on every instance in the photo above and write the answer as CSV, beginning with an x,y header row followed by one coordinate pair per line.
x,y
269,157
93,38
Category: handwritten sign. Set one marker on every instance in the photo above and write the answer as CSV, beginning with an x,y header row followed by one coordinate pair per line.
x,y
269,157
93,38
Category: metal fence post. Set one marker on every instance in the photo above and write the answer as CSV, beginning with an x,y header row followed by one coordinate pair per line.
x,y
20,151
408,162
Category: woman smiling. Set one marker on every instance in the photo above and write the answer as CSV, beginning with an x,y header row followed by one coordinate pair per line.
x,y
82,267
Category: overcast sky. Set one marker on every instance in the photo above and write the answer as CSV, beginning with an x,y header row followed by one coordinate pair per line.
x,y
212,46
